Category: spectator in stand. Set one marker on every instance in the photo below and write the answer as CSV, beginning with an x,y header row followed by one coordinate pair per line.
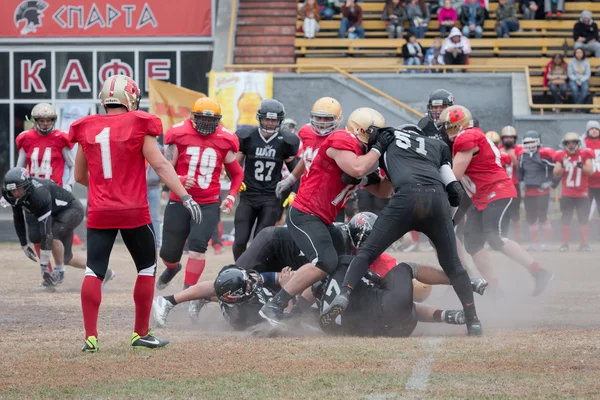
x,y
585,34
418,14
472,16
432,56
506,17
311,15
455,49
329,8
579,73
555,79
351,25
412,52
554,7
447,17
395,15
531,9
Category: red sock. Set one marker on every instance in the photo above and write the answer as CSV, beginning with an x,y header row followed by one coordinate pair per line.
x,y
534,267
547,227
171,265
38,248
91,296
534,233
566,233
517,230
220,229
584,233
193,270
415,236
143,293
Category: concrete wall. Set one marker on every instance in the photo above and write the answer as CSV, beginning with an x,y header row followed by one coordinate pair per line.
x,y
553,129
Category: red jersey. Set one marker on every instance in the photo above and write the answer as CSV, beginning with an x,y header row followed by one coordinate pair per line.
x,y
112,144
322,192
45,153
594,146
309,145
484,180
548,154
201,157
511,170
574,182
383,264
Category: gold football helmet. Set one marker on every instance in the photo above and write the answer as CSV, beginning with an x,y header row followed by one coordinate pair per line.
x,y
456,119
120,90
325,116
44,117
571,142
361,120
493,136
508,131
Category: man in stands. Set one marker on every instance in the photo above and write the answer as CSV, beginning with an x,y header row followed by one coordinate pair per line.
x,y
111,161
585,34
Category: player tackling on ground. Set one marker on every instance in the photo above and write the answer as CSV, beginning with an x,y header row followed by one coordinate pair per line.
x,y
110,161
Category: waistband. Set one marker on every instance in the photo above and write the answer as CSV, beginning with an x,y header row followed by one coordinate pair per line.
x,y
416,188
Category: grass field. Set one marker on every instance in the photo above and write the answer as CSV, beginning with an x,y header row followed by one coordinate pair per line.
x,y
544,348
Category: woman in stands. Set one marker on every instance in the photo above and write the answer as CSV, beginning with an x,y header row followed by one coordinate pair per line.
x,y
555,79
579,73
395,14
412,52
311,15
419,16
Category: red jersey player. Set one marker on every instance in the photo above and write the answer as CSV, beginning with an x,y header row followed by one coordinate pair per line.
x,y
111,162
508,145
198,148
591,140
46,153
322,195
477,164
575,165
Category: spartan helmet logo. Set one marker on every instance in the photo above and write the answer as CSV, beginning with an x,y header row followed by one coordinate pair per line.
x,y
31,12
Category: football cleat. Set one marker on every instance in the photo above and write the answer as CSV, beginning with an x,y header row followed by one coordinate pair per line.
x,y
58,276
337,307
109,276
542,279
453,317
584,248
564,248
273,313
545,247
150,341
194,309
479,285
474,327
167,276
90,345
161,308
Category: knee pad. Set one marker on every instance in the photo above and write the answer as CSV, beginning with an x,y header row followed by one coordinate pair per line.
x,y
495,241
473,243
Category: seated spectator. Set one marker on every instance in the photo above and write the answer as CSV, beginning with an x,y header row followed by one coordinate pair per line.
x,y
579,73
506,15
351,25
447,17
395,14
531,9
555,78
554,7
472,16
455,49
585,34
432,56
412,52
329,8
418,14
311,15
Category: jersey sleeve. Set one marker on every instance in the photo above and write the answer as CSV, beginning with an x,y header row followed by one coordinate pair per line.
x,y
547,153
446,155
153,126
292,144
342,140
558,156
73,130
465,141
588,154
170,136
20,141
234,143
64,137
505,159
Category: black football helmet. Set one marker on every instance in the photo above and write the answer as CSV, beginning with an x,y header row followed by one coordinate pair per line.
x,y
17,178
235,285
360,227
270,115
439,100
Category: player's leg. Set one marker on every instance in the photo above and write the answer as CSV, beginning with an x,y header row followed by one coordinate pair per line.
x,y
34,236
63,228
217,243
162,305
245,216
176,228
398,317
531,216
267,214
594,197
582,206
515,215
426,313
141,243
154,205
567,207
434,276
542,213
100,244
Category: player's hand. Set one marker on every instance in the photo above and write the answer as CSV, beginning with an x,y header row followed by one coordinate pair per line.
x,y
384,138
545,186
243,187
68,187
284,185
193,208
350,180
289,200
186,181
29,253
227,204
455,193
579,164
284,276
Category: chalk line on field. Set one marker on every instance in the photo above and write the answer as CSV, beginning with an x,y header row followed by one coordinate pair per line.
x,y
422,369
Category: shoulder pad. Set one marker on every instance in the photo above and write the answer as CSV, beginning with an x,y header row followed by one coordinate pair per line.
x,y
245,133
423,122
290,138
143,114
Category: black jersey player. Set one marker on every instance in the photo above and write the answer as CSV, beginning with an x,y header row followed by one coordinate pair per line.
x,y
263,150
439,100
424,189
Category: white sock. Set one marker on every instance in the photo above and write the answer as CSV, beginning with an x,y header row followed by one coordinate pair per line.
x,y
59,268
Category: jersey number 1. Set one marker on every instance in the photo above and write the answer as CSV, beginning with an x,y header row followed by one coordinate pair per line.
x,y
403,141
45,170
103,139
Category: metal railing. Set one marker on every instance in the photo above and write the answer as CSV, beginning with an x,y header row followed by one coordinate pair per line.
x,y
232,24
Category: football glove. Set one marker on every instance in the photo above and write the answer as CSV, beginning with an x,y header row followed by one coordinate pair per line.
x,y
350,180
284,185
243,187
227,204
290,199
579,164
455,193
193,208
384,138
29,253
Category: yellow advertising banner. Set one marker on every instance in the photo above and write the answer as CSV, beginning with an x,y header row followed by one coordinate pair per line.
x,y
240,94
171,103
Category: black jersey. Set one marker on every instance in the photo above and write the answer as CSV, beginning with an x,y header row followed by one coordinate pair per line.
x,y
434,131
264,159
272,250
414,158
243,316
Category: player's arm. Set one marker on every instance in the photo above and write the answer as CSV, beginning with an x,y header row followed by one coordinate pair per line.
x,y
22,160
461,161
162,166
558,169
19,222
291,163
81,172
236,175
44,217
69,167
240,157
353,165
171,154
588,167
382,189
453,187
